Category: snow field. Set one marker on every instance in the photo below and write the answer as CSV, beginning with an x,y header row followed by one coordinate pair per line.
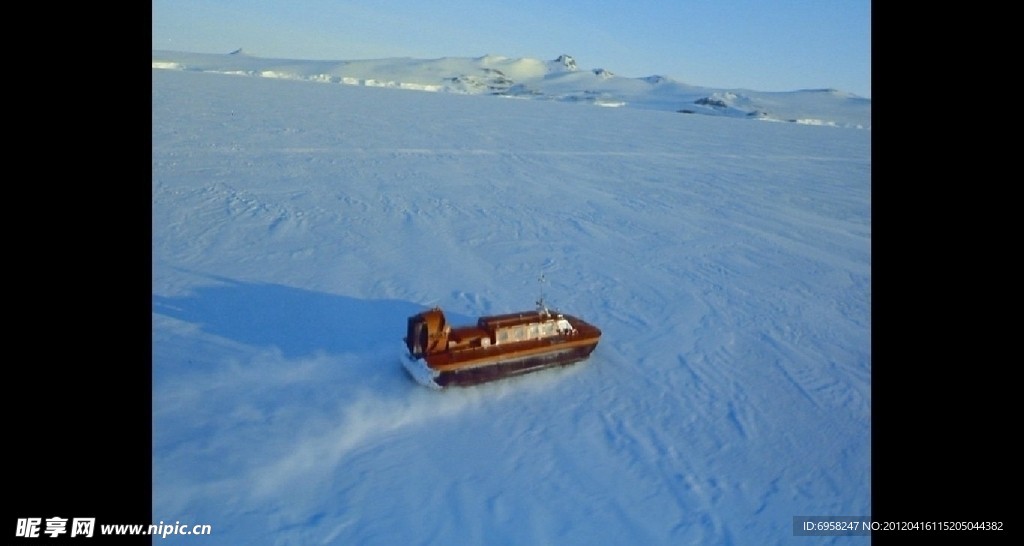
x,y
296,226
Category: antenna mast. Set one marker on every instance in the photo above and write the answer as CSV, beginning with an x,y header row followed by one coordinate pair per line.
x,y
542,307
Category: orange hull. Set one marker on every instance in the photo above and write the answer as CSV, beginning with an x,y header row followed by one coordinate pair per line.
x,y
496,347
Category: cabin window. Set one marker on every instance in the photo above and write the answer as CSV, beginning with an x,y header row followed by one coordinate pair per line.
x,y
533,331
502,336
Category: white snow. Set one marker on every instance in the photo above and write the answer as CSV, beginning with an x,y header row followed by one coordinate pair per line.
x,y
297,224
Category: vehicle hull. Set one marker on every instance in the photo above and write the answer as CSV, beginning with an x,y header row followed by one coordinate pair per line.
x,y
468,356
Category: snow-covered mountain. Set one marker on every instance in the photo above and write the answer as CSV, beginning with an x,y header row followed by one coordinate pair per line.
x,y
560,79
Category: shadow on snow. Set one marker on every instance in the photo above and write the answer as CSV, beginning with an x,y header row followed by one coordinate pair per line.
x,y
298,322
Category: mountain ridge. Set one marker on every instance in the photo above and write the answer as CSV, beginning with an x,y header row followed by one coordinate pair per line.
x,y
560,79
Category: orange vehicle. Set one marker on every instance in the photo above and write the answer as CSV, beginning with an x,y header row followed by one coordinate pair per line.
x,y
496,347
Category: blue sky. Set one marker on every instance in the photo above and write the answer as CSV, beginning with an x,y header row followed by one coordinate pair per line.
x,y
763,45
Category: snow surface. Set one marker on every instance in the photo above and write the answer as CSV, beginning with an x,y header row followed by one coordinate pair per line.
x,y
297,225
